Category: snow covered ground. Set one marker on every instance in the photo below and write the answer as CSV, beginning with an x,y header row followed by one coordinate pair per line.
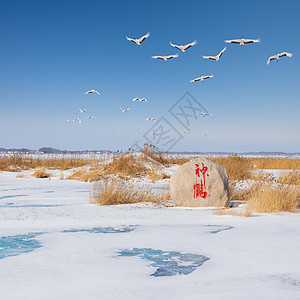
x,y
55,245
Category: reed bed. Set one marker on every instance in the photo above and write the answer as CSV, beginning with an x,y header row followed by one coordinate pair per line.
x,y
41,173
20,162
89,175
126,164
274,198
108,193
238,167
292,178
155,176
275,163
237,212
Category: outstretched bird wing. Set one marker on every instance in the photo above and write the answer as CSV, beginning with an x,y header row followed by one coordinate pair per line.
x,y
285,54
209,57
130,39
187,46
237,41
171,56
144,37
271,58
220,54
196,79
175,46
249,41
158,57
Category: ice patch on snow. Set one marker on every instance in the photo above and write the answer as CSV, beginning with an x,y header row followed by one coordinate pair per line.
x,y
31,205
218,228
116,229
12,196
18,244
168,263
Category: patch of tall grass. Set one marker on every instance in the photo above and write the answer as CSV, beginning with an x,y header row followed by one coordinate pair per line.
x,y
126,164
238,212
163,158
41,173
275,163
155,176
108,193
88,175
238,167
273,198
292,178
19,162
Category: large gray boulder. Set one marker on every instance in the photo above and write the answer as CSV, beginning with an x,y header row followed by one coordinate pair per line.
x,y
199,183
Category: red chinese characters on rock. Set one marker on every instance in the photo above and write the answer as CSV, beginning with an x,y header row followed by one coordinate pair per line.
x,y
199,188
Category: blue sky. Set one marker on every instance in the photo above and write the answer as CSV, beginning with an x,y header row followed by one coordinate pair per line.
x,y
54,51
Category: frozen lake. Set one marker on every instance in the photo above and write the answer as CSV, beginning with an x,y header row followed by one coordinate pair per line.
x,y
55,245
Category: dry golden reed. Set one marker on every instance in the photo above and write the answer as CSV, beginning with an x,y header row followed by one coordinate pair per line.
x,y
163,158
155,176
41,173
291,178
20,162
107,193
265,197
86,175
272,198
126,164
241,194
237,212
277,163
238,167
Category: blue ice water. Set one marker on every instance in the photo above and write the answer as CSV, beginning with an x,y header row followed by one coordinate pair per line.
x,y
168,263
12,196
18,244
235,203
115,229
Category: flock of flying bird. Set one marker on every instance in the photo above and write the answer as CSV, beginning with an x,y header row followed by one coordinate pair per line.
x,y
138,41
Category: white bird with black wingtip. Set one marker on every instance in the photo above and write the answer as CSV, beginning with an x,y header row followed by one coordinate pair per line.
x,y
124,110
183,48
150,119
77,120
140,99
278,55
92,92
204,114
138,41
202,78
165,57
242,41
217,57
82,110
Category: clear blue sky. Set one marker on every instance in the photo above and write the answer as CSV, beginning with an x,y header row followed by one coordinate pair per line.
x,y
53,51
